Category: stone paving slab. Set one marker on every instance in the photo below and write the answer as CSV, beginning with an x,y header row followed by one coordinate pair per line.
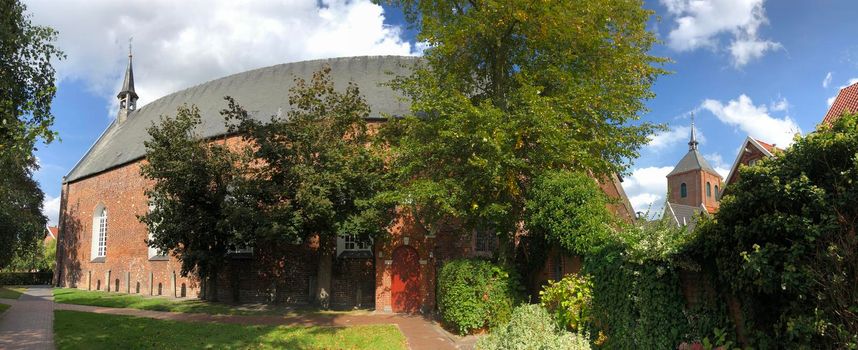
x,y
29,323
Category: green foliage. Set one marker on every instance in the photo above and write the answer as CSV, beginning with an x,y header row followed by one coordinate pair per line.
x,y
34,255
509,89
316,173
193,213
22,224
570,208
532,328
25,278
474,294
570,300
784,242
26,84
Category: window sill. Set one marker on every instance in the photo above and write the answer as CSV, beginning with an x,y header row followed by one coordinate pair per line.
x,y
355,254
99,259
159,258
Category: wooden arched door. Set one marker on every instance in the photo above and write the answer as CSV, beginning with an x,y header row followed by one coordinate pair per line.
x,y
405,284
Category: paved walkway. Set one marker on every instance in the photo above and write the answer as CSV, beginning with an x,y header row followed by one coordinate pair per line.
x,y
28,324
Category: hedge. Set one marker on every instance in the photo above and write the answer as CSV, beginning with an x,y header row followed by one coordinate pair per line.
x,y
475,294
25,278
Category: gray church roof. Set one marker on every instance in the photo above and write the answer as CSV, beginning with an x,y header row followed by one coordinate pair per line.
x,y
263,92
692,161
684,215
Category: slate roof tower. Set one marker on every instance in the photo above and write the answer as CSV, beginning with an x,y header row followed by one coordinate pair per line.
x,y
127,96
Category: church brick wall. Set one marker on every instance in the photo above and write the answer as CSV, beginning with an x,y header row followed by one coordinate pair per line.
x,y
121,191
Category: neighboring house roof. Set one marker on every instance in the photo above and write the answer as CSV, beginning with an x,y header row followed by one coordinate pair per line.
x,y
264,92
684,215
767,149
692,161
846,101
52,232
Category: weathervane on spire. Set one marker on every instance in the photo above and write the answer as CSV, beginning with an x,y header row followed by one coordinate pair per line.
x,y
692,143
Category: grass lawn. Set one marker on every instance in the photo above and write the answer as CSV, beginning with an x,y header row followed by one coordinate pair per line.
x,y
3,307
82,330
8,292
119,300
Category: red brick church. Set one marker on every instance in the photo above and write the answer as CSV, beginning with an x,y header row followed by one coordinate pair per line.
x,y
103,246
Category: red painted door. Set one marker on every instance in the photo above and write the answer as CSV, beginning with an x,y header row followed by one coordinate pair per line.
x,y
405,287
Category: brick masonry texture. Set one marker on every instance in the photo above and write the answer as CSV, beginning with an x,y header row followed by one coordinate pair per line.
x,y
282,274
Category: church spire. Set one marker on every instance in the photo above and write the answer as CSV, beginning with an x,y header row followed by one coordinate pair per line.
x,y
127,96
692,143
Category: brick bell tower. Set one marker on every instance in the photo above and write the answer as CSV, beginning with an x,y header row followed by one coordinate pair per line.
x,y
692,181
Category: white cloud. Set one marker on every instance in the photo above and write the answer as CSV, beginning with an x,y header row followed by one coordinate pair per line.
x,y
826,81
51,209
700,24
647,188
753,120
781,105
831,99
717,162
674,136
178,44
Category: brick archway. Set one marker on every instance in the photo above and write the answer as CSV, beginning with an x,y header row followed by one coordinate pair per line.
x,y
405,280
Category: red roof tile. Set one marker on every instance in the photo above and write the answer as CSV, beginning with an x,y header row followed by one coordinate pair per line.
x,y
769,147
54,230
847,100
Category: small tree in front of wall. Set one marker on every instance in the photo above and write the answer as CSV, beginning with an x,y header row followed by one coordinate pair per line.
x,y
193,213
315,172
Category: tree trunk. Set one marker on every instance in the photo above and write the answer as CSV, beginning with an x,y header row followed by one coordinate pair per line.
x,y
211,285
323,275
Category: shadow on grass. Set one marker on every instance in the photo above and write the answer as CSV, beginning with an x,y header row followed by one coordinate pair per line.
x,y
120,300
81,330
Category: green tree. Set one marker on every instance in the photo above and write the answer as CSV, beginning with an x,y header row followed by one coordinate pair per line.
x,y
509,89
316,172
194,213
26,82
26,91
784,242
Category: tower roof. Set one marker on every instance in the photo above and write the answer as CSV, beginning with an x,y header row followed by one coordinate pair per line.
x,y
692,161
128,84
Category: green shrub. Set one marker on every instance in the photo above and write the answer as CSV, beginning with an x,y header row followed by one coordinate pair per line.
x,y
473,294
569,300
532,327
25,278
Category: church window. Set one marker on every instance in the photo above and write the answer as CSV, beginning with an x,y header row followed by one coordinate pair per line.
x,y
485,241
353,243
708,189
717,193
683,190
99,232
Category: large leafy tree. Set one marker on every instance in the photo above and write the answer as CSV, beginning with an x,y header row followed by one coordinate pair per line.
x,y
22,224
26,82
26,91
509,89
784,242
315,171
195,214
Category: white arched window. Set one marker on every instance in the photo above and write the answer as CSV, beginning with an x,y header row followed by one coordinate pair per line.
x,y
99,232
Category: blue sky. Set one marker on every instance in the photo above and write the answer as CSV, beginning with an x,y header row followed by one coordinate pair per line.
x,y
743,67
